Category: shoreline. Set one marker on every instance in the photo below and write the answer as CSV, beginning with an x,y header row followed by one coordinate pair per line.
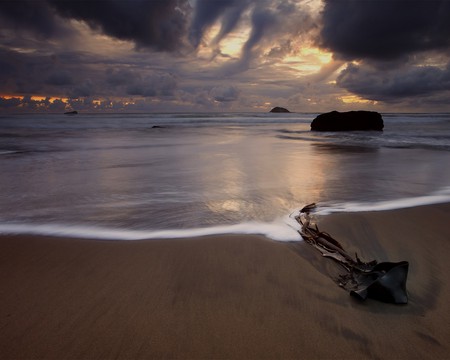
x,y
225,296
283,228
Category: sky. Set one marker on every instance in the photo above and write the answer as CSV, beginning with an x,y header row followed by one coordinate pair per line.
x,y
224,55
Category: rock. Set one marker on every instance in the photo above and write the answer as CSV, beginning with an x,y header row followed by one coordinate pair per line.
x,y
71,112
348,121
278,109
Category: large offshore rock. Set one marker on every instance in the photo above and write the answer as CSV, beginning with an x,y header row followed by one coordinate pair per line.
x,y
348,121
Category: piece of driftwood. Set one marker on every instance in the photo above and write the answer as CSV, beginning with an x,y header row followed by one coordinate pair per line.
x,y
384,281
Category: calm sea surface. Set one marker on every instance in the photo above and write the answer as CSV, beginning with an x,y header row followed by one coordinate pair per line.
x,y
128,175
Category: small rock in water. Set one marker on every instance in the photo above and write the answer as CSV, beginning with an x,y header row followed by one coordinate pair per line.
x,y
278,109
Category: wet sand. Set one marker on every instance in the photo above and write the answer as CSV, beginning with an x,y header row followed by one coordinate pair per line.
x,y
225,296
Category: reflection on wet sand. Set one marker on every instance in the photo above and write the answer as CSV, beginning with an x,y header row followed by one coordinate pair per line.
x,y
258,175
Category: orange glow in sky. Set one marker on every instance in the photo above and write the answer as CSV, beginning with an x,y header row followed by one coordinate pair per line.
x,y
354,99
308,60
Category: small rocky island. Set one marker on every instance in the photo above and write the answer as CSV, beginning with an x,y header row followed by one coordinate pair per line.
x,y
278,109
348,121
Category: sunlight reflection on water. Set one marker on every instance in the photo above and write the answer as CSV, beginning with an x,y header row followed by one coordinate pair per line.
x,y
186,176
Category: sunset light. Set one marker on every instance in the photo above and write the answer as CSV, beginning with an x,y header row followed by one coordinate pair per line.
x,y
354,99
174,57
232,45
224,179
307,60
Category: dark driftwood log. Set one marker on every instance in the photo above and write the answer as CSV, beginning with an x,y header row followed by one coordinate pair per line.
x,y
385,281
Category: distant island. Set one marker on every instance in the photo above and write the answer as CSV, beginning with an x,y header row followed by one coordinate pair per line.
x,y
278,109
74,112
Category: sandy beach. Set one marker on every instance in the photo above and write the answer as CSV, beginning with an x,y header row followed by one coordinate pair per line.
x,y
225,296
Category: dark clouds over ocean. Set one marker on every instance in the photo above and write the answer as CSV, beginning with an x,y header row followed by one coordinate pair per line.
x,y
388,51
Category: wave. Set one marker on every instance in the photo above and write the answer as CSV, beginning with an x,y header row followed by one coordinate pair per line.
x,y
283,229
9,152
438,197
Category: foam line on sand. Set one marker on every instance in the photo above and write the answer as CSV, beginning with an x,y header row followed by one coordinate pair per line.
x,y
225,296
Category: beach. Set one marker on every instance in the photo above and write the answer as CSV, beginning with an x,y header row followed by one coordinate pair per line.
x,y
225,296
160,161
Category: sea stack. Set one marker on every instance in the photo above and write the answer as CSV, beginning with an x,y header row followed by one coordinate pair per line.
x,y
348,121
278,109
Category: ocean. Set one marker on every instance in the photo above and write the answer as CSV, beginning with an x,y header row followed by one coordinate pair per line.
x,y
140,176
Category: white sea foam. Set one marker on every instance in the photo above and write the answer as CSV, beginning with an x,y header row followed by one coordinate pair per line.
x,y
284,229
8,152
441,196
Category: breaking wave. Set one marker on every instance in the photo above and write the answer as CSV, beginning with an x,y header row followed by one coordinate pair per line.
x,y
285,229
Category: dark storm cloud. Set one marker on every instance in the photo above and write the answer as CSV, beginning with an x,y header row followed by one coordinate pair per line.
x,y
35,16
77,75
21,73
385,30
274,26
157,24
8,66
268,19
155,84
119,77
162,25
230,20
395,84
34,72
263,20
59,78
207,12
392,42
82,90
152,83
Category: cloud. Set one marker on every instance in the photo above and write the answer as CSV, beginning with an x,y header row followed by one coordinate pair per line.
x,y
277,29
41,73
384,30
9,103
263,21
119,77
156,24
57,105
33,16
83,90
224,93
395,84
208,12
230,20
155,84
59,78
161,25
401,48
249,53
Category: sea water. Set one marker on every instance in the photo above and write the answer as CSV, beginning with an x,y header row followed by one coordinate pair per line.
x,y
137,176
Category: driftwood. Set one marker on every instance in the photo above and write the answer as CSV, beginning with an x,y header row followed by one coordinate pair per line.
x,y
384,281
